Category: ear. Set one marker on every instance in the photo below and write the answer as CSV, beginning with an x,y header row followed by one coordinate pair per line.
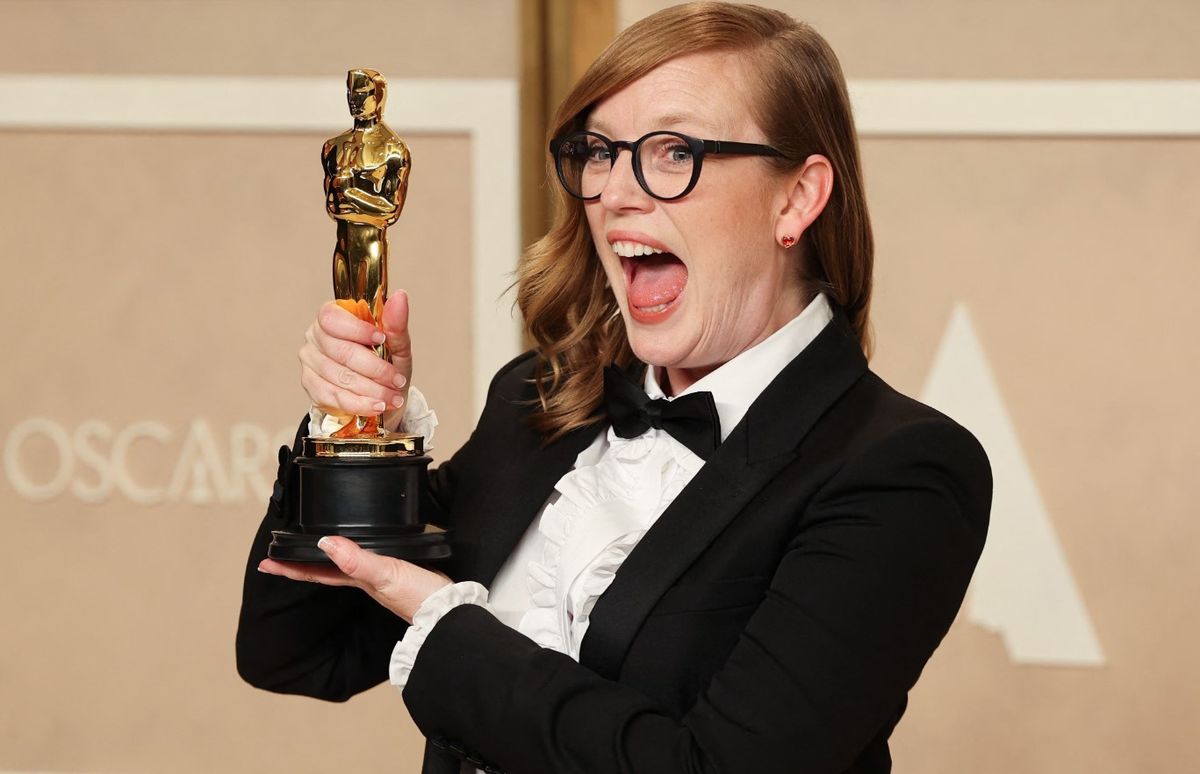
x,y
809,190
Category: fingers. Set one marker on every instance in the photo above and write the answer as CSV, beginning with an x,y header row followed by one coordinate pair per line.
x,y
340,324
338,345
340,373
343,388
370,570
352,566
313,573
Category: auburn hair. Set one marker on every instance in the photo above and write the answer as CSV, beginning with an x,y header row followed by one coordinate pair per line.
x,y
798,98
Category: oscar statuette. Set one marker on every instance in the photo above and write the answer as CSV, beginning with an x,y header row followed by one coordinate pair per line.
x,y
362,481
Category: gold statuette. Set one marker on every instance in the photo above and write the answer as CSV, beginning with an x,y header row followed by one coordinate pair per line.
x,y
361,481
366,181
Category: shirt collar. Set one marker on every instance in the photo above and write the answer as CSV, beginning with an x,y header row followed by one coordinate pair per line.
x,y
737,383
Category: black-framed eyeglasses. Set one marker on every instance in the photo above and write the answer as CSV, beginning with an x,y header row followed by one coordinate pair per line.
x,y
666,164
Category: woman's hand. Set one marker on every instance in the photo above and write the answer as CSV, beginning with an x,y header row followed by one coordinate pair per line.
x,y
397,585
340,372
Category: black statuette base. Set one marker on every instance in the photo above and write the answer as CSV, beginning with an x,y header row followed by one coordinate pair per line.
x,y
374,501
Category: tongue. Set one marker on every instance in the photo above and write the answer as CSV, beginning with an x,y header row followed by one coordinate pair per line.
x,y
657,279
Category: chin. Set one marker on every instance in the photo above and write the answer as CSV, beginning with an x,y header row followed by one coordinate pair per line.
x,y
656,350
660,344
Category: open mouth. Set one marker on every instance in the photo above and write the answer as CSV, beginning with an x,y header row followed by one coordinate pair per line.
x,y
654,279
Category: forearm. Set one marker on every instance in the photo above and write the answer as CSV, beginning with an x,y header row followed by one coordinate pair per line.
x,y
555,714
524,709
376,204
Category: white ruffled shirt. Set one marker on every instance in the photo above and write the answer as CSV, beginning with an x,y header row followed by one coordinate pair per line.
x,y
598,511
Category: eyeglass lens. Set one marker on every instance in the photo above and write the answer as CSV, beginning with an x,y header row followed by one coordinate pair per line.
x,y
586,161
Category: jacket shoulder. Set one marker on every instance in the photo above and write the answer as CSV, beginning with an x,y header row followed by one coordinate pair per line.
x,y
876,425
514,376
884,409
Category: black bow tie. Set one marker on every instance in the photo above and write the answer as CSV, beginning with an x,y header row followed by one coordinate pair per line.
x,y
691,419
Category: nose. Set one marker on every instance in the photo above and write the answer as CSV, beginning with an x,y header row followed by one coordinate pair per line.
x,y
622,190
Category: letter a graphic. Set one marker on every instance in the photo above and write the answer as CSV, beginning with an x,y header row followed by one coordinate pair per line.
x,y
1023,588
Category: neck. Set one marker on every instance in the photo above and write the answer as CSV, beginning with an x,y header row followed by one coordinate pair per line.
x,y
365,123
675,380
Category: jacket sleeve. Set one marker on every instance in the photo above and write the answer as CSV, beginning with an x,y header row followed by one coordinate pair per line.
x,y
867,588
305,638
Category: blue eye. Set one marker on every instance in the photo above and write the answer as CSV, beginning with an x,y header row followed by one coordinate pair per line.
x,y
597,151
680,153
667,153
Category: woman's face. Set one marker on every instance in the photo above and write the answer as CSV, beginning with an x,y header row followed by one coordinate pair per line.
x,y
723,282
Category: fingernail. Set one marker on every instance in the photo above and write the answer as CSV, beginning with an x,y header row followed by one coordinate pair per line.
x,y
400,381
380,406
378,338
326,545
398,401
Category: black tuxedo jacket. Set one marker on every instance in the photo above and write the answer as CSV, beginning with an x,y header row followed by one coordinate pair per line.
x,y
772,619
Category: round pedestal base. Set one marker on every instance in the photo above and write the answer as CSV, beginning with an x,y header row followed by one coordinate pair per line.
x,y
370,490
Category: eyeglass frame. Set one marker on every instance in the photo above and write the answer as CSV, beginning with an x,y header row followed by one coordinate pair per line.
x,y
699,148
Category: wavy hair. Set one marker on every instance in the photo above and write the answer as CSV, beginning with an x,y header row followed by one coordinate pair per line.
x,y
798,98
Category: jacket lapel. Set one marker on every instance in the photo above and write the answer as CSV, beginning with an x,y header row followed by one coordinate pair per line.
x,y
489,533
757,449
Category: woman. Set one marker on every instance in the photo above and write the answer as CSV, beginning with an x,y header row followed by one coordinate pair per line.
x,y
747,573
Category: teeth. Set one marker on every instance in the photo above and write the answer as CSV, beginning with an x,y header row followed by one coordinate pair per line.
x,y
634,249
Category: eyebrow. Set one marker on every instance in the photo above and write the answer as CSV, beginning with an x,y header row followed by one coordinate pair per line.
x,y
667,121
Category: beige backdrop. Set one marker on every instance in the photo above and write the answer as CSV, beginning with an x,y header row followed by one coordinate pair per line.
x,y
160,282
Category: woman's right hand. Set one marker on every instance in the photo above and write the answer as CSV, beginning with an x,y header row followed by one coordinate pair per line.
x,y
341,373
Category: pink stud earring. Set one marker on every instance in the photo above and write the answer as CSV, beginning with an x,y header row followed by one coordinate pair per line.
x,y
787,241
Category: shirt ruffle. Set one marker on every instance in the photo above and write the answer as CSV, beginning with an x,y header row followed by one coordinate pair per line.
x,y
436,605
600,514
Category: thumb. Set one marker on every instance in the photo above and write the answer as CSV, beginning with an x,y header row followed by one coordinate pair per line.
x,y
363,566
395,327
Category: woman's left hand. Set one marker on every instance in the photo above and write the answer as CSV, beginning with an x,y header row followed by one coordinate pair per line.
x,y
397,585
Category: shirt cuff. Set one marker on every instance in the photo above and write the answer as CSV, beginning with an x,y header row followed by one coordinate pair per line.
x,y
416,419
436,605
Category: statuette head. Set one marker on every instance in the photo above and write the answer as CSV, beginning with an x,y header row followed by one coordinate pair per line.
x,y
366,93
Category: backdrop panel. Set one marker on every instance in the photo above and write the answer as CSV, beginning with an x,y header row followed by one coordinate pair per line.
x,y
165,283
